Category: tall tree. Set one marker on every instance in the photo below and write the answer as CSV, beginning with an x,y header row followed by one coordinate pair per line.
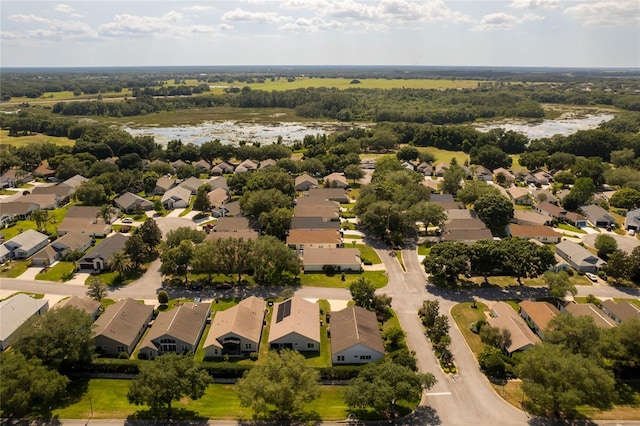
x,y
451,180
272,259
486,257
620,266
381,386
525,259
578,334
362,293
61,338
176,261
169,378
475,189
137,251
448,260
428,213
40,217
605,244
201,202
559,284
276,222
150,234
119,262
235,255
494,210
581,194
175,236
353,171
279,388
27,387
97,289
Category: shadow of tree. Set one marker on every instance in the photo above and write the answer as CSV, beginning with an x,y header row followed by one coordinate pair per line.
x,y
184,416
542,421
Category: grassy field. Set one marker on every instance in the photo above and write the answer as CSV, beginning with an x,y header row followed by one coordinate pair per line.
x,y
55,217
463,314
443,156
507,281
57,272
108,398
14,268
369,254
33,139
377,278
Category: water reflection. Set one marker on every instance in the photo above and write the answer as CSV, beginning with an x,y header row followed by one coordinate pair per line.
x,y
548,128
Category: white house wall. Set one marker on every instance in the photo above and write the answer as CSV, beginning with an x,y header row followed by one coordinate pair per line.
x,y
355,354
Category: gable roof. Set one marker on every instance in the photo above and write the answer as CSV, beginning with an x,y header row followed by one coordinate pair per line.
x,y
330,256
467,235
355,325
314,210
472,223
165,183
305,178
84,304
295,315
578,254
106,248
192,184
531,231
43,200
318,236
529,217
624,311
551,209
75,181
518,192
245,320
218,196
61,190
313,222
177,193
337,177
15,311
269,162
122,321
183,323
72,241
27,240
130,200
232,224
508,318
596,213
539,312
632,219
218,182
44,169
457,214
83,219
589,309
17,208
331,194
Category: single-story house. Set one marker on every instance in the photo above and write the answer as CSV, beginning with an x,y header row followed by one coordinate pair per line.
x,y
339,195
538,314
543,177
336,180
222,168
73,241
178,330
482,173
632,221
598,216
5,254
524,217
235,224
505,317
85,304
575,219
325,211
164,184
26,244
620,311
544,234
246,166
44,170
502,173
265,164
245,234
520,196
218,197
97,260
218,182
45,257
61,190
178,163
409,166
121,326
300,239
470,223
441,198
295,324
314,222
14,312
130,202
468,236
236,331
460,214
203,166
431,184
176,198
304,182
14,177
355,336
44,201
15,210
85,219
75,181
424,168
441,168
339,259
192,184
589,309
545,208
541,195
579,257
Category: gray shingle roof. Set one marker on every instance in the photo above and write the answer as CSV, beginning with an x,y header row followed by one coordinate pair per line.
x,y
355,325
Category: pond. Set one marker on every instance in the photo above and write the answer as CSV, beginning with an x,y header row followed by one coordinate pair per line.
x,y
565,125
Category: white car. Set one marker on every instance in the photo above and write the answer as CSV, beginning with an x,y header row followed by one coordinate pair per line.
x,y
127,220
592,277
632,232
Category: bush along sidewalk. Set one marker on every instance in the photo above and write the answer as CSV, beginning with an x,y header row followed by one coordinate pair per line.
x,y
437,330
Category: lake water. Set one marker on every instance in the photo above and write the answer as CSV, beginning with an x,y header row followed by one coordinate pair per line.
x,y
546,128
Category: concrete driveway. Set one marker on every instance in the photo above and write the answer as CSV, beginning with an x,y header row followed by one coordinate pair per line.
x,y
625,242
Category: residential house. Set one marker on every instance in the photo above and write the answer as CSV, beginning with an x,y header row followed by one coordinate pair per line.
x,y
336,259
431,184
541,195
203,166
543,177
14,312
222,168
176,198
58,249
538,314
130,202
217,182
234,224
441,198
338,195
598,216
269,162
355,336
482,173
505,317
524,217
218,197
326,212
336,180
304,182
425,168
552,211
246,166
441,168
84,304
236,331
26,244
544,234
313,223
44,201
472,223
520,196
15,210
589,309
301,239
575,219
178,330
632,221
580,259
524,176
121,326
468,236
192,184
97,260
409,166
61,190
165,184
460,214
621,311
75,181
504,176
295,324
14,177
5,254
44,170
178,163
85,219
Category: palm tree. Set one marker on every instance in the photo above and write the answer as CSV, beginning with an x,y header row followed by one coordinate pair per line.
x,y
119,262
105,212
40,217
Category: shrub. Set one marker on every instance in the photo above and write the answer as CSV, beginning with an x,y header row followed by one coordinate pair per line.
x,y
253,356
123,355
163,297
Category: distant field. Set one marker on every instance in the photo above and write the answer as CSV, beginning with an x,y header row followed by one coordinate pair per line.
x,y
27,140
52,97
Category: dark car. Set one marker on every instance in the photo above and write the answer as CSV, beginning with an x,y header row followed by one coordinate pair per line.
x,y
224,286
195,286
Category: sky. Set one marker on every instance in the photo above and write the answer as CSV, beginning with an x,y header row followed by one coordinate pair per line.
x,y
531,33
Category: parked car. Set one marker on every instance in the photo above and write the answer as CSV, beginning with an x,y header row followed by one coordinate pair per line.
x,y
127,220
592,277
224,286
195,286
632,232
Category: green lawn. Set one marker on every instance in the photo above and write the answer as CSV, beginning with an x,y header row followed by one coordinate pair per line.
x,y
55,217
14,268
463,314
444,156
58,272
108,398
567,227
423,251
368,254
377,278
36,138
323,359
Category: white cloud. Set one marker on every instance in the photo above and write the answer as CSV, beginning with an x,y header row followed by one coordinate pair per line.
x,y
607,13
64,8
393,12
28,19
535,4
503,21
312,25
171,24
54,28
197,8
239,15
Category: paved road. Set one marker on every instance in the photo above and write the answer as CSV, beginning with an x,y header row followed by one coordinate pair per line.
x,y
625,242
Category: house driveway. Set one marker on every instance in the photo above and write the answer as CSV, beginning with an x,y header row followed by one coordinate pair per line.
x,y
625,243
30,273
175,213
79,278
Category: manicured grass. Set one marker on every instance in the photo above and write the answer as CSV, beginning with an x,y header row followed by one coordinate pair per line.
x,y
199,355
34,295
463,314
33,139
424,251
57,272
108,398
567,227
14,268
443,156
352,237
322,359
55,217
377,278
507,281
173,303
369,254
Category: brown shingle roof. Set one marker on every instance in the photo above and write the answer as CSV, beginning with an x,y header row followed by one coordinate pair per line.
x,y
122,321
305,236
182,323
85,304
295,315
330,256
624,311
508,318
589,309
539,312
244,319
355,325
530,231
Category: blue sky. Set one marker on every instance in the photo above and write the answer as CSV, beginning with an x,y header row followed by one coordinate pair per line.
x,y
556,33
